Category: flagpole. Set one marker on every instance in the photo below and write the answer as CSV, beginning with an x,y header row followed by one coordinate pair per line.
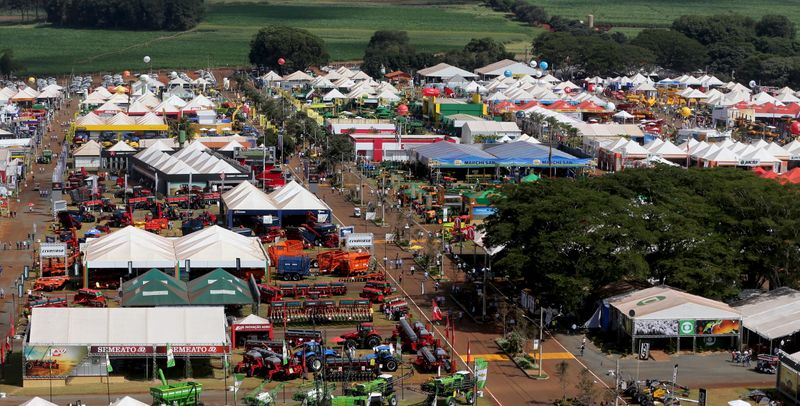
x,y
225,366
108,378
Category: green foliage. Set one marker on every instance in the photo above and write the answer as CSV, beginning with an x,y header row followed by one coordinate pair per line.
x,y
478,53
298,47
174,15
729,56
7,63
562,369
522,10
774,25
585,387
582,55
673,50
710,232
716,28
391,50
524,363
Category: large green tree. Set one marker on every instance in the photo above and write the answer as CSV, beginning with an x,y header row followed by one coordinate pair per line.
x,y
298,47
7,63
390,50
716,28
710,232
775,25
477,53
673,50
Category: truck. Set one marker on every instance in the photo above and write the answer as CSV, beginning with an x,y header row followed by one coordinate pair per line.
x,y
344,263
177,394
364,336
293,268
448,388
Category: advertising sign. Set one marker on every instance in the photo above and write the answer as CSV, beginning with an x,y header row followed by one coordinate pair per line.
x,y
43,361
358,240
53,250
717,327
136,350
655,328
686,327
644,351
787,381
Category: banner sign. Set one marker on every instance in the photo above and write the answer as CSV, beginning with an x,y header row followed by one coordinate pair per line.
x,y
53,250
44,362
481,371
358,240
161,349
251,327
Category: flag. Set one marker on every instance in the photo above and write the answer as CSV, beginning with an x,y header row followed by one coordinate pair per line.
x,y
109,369
469,354
285,353
170,357
225,363
481,371
437,313
447,327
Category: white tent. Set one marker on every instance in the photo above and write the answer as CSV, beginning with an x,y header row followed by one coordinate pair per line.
x,y
293,196
128,401
763,98
624,115
130,244
121,146
298,76
37,401
333,95
245,196
270,77
668,150
214,247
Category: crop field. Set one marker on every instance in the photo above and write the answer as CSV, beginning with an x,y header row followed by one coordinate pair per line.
x,y
222,39
660,13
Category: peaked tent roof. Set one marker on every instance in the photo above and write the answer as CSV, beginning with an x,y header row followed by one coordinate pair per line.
x,y
219,247
293,196
156,293
221,292
128,401
212,277
245,196
121,146
91,148
37,401
445,71
153,276
143,248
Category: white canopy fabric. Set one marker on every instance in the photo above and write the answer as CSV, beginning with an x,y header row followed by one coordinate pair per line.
x,y
128,401
121,146
773,314
128,326
214,247
37,401
245,196
623,115
293,196
91,148
144,249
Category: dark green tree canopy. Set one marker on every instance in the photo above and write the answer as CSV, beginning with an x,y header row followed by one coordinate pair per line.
x,y
716,28
673,50
173,15
478,53
7,63
390,49
590,54
710,232
773,25
300,48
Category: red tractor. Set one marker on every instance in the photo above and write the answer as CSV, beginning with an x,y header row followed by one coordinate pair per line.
x,y
413,338
373,294
365,336
89,297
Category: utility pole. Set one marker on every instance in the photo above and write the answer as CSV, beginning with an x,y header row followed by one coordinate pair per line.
x,y
541,336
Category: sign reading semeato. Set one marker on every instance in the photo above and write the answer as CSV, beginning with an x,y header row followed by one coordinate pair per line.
x,y
358,240
53,250
161,349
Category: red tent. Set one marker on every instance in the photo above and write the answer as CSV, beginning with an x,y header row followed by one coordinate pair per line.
x,y
504,107
561,105
792,176
590,107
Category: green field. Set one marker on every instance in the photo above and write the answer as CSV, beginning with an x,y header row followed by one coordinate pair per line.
x,y
661,13
223,38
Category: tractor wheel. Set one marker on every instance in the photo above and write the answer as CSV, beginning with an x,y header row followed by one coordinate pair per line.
x,y
314,364
373,341
295,277
314,263
351,344
391,365
392,400
470,398
451,401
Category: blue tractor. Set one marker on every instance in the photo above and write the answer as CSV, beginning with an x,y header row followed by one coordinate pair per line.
x,y
314,354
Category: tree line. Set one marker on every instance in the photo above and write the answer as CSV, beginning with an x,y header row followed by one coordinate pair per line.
x,y
172,15
711,232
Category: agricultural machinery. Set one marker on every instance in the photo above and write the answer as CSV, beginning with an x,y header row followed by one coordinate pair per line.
x,y
384,286
299,337
322,235
35,300
379,391
349,369
50,283
313,353
314,394
364,336
293,268
413,337
449,388
266,363
372,294
177,394
430,359
287,247
344,263
384,356
89,297
260,397
321,311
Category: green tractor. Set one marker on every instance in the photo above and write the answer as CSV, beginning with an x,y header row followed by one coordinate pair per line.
x,y
177,394
449,388
378,392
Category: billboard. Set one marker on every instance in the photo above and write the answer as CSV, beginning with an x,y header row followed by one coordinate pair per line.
x,y
717,327
787,381
655,327
44,361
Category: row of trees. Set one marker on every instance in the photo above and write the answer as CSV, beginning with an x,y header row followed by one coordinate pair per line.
x,y
27,9
173,15
711,232
521,9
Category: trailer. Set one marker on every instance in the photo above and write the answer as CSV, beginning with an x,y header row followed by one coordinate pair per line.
x,y
430,360
344,263
177,394
293,267
347,369
413,337
288,247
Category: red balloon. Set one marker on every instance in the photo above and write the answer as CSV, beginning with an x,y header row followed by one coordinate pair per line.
x,y
430,91
567,90
281,61
795,128
402,110
591,88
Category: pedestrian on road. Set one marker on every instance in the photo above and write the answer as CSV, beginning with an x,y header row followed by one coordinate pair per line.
x,y
2,293
400,280
426,275
436,285
583,347
412,270
422,288
385,263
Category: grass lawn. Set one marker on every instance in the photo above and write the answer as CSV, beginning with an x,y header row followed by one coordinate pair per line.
x,y
647,13
223,38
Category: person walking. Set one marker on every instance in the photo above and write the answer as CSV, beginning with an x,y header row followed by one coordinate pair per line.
x,y
412,270
583,347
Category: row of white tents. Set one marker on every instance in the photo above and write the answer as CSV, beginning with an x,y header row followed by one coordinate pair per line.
x,y
10,95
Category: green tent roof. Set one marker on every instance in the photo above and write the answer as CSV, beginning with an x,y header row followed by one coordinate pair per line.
x,y
214,276
153,275
531,178
482,197
221,292
156,293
